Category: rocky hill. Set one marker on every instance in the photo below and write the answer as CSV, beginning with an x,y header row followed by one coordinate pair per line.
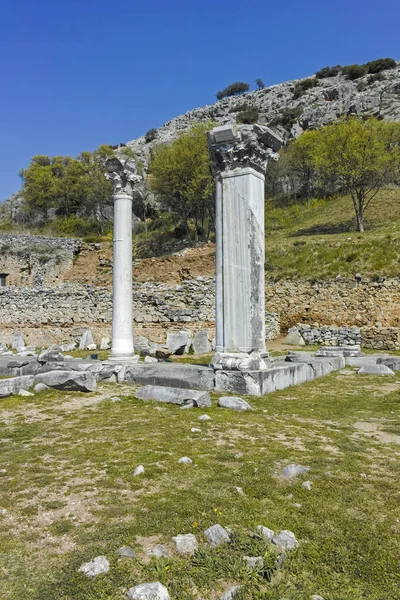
x,y
280,107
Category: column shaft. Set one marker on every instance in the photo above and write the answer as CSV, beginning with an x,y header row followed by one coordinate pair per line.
x,y
240,301
122,332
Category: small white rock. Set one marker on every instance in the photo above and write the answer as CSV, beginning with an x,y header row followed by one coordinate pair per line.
x,y
3,511
266,534
231,593
95,567
253,562
185,544
307,485
205,418
195,430
148,591
285,539
239,490
185,460
25,393
217,535
115,399
139,470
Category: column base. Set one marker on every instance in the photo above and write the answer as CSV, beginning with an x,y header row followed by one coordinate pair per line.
x,y
123,359
241,361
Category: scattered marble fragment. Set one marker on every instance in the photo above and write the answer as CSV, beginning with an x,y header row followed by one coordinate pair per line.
x,y
185,544
217,535
285,539
95,567
139,470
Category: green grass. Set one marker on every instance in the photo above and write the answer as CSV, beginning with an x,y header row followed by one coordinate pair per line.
x,y
319,240
71,496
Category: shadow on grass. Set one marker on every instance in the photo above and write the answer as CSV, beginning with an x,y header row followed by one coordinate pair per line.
x,y
329,229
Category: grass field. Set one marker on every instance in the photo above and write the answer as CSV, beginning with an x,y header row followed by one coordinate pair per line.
x,y
67,485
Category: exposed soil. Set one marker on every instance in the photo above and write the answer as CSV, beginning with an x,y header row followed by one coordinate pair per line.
x,y
95,266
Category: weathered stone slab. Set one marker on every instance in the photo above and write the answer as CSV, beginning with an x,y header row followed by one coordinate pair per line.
x,y
95,567
200,343
81,381
217,535
18,342
393,362
171,375
11,386
177,341
51,354
361,361
86,340
280,376
172,395
339,351
376,370
234,403
185,544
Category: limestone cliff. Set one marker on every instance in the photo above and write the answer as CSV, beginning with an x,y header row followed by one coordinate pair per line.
x,y
279,107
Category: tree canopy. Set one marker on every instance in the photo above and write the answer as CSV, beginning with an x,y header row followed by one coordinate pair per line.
x,y
182,180
352,156
70,186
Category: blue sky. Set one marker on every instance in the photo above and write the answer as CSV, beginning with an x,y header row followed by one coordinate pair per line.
x,y
79,73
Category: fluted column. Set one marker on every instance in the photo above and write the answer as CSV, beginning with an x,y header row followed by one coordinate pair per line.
x,y
240,156
123,175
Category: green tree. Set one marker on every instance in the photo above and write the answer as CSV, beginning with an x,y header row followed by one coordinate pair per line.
x,y
181,178
357,156
71,186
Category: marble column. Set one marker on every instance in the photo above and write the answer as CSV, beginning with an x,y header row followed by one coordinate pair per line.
x,y
240,155
123,175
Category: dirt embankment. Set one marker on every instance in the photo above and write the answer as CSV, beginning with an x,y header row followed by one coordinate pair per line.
x,y
94,266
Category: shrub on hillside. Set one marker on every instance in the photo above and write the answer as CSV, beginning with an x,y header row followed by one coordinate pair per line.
x,y
328,72
248,116
354,71
301,87
287,117
379,65
239,87
150,135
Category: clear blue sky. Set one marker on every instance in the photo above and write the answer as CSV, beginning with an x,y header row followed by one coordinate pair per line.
x,y
79,73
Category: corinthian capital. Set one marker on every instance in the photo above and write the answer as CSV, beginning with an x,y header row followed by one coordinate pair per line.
x,y
123,175
238,146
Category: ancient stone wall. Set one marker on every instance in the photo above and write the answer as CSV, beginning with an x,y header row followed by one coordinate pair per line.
x,y
61,312
364,303
31,260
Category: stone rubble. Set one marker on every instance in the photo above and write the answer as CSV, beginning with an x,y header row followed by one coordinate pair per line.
x,y
217,535
95,567
148,591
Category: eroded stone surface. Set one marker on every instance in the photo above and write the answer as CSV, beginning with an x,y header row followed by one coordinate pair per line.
x,y
285,539
217,535
95,567
185,544
148,591
234,403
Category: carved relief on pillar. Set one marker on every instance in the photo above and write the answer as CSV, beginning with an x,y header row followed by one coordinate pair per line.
x,y
239,146
123,175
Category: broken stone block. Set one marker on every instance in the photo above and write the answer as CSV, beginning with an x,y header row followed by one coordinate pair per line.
x,y
375,370
75,381
18,342
105,343
294,338
51,354
86,340
177,342
234,403
173,395
200,343
11,386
